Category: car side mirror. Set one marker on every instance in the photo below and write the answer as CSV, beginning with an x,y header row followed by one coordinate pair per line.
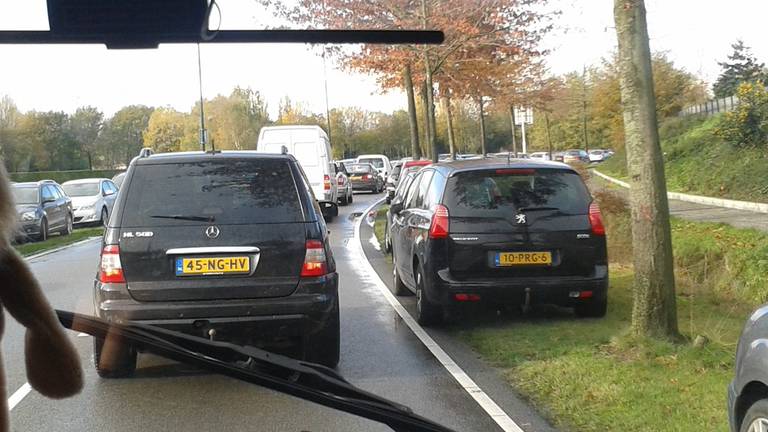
x,y
396,207
48,200
328,208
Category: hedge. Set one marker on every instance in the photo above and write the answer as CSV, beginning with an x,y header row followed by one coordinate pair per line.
x,y
62,176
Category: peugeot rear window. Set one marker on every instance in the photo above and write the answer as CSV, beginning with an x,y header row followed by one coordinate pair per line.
x,y
221,192
506,191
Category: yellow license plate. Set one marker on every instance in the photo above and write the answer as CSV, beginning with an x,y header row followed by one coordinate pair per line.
x,y
355,178
505,259
213,266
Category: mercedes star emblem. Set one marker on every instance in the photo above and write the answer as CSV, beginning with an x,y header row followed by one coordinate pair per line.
x,y
520,218
212,231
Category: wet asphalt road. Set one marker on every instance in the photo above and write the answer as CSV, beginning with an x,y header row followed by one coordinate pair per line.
x,y
379,354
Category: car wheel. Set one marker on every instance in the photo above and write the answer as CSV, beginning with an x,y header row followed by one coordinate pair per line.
x,y
756,418
43,236
117,361
344,200
427,313
399,288
325,346
594,308
67,230
104,216
351,197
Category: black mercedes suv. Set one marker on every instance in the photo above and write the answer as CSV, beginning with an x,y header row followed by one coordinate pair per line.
x,y
229,246
486,231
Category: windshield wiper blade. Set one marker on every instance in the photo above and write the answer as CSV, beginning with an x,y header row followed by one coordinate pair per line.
x,y
305,380
184,217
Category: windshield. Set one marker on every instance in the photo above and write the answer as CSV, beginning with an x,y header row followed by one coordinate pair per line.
x,y
25,195
81,189
552,214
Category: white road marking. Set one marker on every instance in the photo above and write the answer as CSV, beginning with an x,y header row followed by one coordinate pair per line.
x,y
486,403
18,395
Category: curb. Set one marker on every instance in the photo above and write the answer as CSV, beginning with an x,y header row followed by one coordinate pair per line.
x,y
60,248
698,199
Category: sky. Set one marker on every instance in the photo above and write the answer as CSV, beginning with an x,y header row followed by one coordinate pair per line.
x,y
695,34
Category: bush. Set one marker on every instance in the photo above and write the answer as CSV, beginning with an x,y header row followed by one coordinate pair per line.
x,y
747,125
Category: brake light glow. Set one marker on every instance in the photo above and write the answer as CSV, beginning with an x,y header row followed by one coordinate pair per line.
x,y
367,177
110,269
327,182
596,220
315,263
440,223
340,181
466,297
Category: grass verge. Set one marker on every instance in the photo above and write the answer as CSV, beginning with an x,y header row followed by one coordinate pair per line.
x,y
379,227
27,249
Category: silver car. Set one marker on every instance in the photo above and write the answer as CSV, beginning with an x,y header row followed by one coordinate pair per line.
x,y
92,199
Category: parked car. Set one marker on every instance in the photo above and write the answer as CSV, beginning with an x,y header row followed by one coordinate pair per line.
x,y
118,179
239,250
43,208
380,162
598,155
92,199
558,156
364,176
402,189
540,155
343,184
311,147
572,156
500,233
748,391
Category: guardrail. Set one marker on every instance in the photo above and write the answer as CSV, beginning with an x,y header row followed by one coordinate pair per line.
x,y
699,199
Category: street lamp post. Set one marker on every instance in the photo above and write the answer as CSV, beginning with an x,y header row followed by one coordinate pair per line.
x,y
203,132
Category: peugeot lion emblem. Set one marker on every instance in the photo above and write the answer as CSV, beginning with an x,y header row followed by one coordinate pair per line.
x,y
520,218
212,231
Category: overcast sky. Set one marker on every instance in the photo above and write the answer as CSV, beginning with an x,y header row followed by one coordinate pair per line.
x,y
694,33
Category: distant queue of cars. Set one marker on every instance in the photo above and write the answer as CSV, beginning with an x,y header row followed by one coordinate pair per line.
x,y
46,207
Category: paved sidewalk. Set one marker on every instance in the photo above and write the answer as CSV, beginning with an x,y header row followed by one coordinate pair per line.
x,y
699,212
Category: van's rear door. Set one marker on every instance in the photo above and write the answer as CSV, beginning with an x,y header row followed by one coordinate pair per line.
x,y
221,228
520,222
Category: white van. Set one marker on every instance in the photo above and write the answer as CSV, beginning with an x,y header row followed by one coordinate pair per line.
x,y
380,162
310,146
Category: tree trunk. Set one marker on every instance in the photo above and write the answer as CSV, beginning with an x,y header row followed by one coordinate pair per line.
x,y
482,125
90,161
412,121
654,310
427,124
430,90
512,123
449,121
549,136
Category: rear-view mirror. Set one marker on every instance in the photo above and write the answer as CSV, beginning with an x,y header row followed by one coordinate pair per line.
x,y
396,207
329,209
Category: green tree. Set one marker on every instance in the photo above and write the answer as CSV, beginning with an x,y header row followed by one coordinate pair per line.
x,y
49,141
740,67
9,143
234,121
122,136
86,125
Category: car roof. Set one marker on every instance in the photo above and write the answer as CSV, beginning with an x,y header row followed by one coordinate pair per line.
x,y
199,156
453,167
85,180
372,156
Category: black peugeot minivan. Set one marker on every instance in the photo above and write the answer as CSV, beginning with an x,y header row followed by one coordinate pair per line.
x,y
229,246
486,231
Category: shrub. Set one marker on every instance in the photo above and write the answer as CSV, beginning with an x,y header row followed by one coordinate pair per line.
x,y
747,124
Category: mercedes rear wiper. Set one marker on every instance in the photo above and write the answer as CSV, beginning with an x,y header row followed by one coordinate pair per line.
x,y
184,217
305,380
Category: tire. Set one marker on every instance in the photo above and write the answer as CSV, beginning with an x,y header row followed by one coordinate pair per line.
x,y
427,313
595,308
43,236
67,229
398,287
104,216
758,412
344,200
351,197
119,363
325,346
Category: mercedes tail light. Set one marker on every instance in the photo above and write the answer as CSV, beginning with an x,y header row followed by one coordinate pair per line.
x,y
110,269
